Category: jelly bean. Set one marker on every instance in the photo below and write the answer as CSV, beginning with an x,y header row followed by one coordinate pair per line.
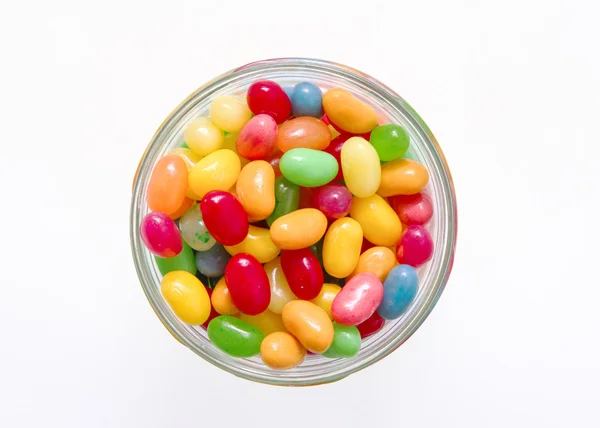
x,y
190,158
335,149
308,167
182,261
257,138
255,189
203,137
390,141
399,291
230,143
281,351
235,337
217,171
333,200
307,100
415,246
305,198
317,250
289,90
185,205
377,260
229,113
402,177
299,229
212,262
257,243
347,112
168,185
341,247
366,245
413,209
371,325
287,195
160,235
303,272
361,167
346,342
248,284
267,322
281,293
221,299
224,217
274,158
326,297
309,324
268,97
213,313
339,131
186,296
329,279
357,301
378,220
303,132
194,231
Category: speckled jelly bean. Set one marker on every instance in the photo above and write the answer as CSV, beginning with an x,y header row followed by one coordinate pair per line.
x,y
160,235
357,301
371,325
267,322
390,141
255,189
235,337
299,229
167,187
325,298
281,351
402,177
333,200
217,171
194,230
224,217
308,167
221,299
413,209
203,137
268,97
307,100
257,243
346,342
341,247
248,284
399,291
361,167
309,324
378,220
281,293
287,198
303,132
415,246
335,149
348,112
186,296
257,138
377,260
182,261
212,262
229,113
303,272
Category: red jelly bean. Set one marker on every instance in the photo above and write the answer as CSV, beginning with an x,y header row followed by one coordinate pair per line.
x,y
366,245
269,98
305,200
224,217
333,200
303,272
335,149
413,209
274,158
213,313
248,284
415,246
257,138
371,326
161,235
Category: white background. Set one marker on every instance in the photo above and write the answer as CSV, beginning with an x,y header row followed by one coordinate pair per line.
x,y
511,90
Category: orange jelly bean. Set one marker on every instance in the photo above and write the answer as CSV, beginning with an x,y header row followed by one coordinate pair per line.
x,y
303,132
298,229
168,185
402,177
255,189
377,260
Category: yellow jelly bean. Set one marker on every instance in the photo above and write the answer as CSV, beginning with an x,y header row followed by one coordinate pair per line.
x,y
203,137
341,247
255,189
402,177
299,229
186,296
267,322
257,243
190,158
281,293
282,351
229,113
334,132
379,222
221,299
325,298
217,171
377,260
348,112
229,143
361,167
310,324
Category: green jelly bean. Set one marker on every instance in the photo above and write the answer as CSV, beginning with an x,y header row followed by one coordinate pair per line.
x,y
346,342
308,167
234,336
185,260
287,198
390,141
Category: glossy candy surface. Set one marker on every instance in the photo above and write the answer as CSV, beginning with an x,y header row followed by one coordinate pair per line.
x,y
194,231
217,171
257,243
325,298
168,185
287,198
335,149
413,209
309,324
371,325
213,313
213,261
248,284
160,235
346,342
268,97
390,141
281,293
357,301
303,272
186,296
267,322
224,217
257,138
299,229
377,260
221,299
255,189
348,112
361,167
399,291
308,167
229,113
182,261
307,100
203,137
415,246
402,177
303,132
274,158
378,220
333,200
282,351
235,337
341,247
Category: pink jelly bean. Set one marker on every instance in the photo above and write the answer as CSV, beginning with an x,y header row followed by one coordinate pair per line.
x,y
412,209
257,138
358,300
415,246
268,97
161,235
333,200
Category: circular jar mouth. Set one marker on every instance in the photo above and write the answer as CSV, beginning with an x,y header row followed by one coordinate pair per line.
x,y
391,108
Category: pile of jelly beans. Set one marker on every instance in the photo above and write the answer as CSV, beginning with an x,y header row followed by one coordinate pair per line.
x,y
289,222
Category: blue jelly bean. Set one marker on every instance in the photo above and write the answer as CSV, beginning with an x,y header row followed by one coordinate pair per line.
x,y
212,262
307,100
289,90
399,291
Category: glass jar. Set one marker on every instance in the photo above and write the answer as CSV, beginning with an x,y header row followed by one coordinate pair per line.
x,y
423,148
